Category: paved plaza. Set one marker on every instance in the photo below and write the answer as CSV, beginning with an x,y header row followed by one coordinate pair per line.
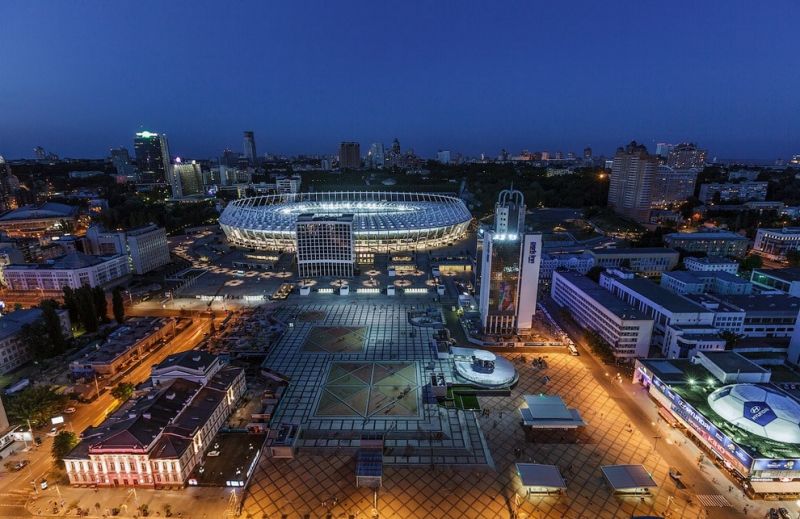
x,y
432,465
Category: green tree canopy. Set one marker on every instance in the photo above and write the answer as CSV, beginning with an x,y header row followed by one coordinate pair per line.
x,y
36,404
63,443
118,306
122,391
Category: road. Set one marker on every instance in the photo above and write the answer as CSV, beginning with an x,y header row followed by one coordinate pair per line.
x,y
16,487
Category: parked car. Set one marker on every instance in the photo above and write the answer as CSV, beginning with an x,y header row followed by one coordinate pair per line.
x,y
53,431
784,513
69,410
20,465
43,484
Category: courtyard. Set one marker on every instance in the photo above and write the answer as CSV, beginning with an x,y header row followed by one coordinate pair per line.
x,y
442,462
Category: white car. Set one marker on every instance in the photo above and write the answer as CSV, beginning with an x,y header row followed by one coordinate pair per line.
x,y
69,410
53,432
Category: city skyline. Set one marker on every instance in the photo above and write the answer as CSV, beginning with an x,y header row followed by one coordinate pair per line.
x,y
461,77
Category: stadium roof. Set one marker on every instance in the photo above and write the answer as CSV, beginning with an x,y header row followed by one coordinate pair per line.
x,y
373,211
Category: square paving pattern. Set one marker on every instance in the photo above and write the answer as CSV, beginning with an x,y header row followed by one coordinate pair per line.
x,y
335,339
450,463
388,389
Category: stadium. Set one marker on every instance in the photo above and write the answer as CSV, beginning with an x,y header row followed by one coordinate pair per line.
x,y
382,221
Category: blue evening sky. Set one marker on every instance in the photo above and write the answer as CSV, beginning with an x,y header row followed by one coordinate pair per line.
x,y
81,76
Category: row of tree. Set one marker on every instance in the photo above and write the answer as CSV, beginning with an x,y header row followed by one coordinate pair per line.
x,y
88,306
44,336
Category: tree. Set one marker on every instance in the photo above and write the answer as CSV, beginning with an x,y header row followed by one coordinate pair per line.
x,y
751,262
36,404
793,257
34,335
71,302
86,309
100,303
63,443
594,273
52,324
731,338
122,391
117,305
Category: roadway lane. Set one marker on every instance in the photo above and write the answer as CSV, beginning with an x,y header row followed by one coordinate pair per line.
x,y
16,486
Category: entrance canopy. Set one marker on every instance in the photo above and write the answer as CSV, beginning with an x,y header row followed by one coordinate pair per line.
x,y
540,478
549,412
628,479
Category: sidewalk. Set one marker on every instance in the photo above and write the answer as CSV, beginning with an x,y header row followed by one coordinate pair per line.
x,y
188,503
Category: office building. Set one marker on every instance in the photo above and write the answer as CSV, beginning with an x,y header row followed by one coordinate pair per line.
x,y
73,270
632,173
648,261
443,156
376,156
786,280
733,192
14,350
771,243
680,325
509,281
152,157
250,148
626,329
349,155
145,246
712,243
713,282
686,155
711,264
158,439
672,186
186,179
9,184
325,246
663,149
288,184
579,262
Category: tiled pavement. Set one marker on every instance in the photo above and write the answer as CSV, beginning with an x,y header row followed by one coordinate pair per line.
x,y
308,484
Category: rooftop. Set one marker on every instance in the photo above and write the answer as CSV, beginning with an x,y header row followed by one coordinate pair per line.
x,y
705,235
765,303
661,296
190,359
643,251
712,260
732,362
71,261
602,296
11,323
787,274
33,212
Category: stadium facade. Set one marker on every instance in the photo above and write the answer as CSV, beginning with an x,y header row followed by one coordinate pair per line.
x,y
383,222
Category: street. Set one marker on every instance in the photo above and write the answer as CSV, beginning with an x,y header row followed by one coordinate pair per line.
x,y
17,487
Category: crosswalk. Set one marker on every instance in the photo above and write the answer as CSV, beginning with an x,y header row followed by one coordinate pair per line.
x,y
713,500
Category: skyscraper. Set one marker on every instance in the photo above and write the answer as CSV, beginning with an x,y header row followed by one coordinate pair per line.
x,y
632,174
376,156
443,156
686,155
186,179
7,186
152,157
250,148
349,155
663,149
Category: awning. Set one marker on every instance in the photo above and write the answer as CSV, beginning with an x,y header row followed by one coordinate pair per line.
x,y
536,476
628,478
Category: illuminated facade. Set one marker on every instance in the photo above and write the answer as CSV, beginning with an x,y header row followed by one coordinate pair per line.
x,y
152,157
383,222
325,246
509,281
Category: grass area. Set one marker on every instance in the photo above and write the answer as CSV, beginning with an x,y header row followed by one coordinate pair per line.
x,y
9,379
467,402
